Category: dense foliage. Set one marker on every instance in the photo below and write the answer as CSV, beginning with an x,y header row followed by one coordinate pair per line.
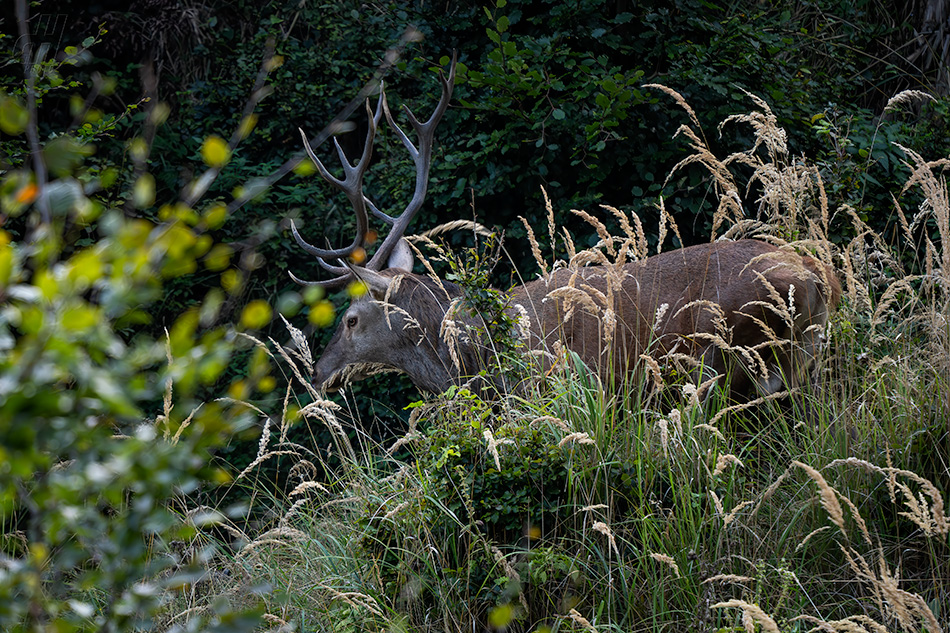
x,y
144,249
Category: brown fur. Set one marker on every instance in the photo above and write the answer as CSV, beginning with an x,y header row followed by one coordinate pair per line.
x,y
739,280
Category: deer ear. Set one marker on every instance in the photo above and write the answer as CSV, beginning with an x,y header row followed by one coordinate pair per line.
x,y
401,258
376,283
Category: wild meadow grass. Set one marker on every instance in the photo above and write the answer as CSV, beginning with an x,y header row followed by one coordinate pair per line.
x,y
572,505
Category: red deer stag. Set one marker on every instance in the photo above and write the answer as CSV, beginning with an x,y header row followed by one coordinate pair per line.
x,y
745,309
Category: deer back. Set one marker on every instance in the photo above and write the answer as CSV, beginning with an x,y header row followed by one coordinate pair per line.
x,y
725,305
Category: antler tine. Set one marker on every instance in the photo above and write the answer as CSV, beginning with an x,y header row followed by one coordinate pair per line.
x,y
422,157
351,186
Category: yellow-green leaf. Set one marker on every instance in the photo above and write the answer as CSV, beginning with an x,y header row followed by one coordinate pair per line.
x,y
143,193
13,116
322,314
256,315
215,151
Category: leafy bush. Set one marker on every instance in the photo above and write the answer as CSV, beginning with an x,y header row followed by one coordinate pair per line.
x,y
103,436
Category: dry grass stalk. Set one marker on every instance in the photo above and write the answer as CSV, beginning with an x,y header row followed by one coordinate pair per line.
x,y
550,419
577,618
827,495
573,297
668,561
908,609
493,445
535,247
576,438
261,459
852,624
663,426
280,536
456,225
811,534
308,485
511,573
604,529
605,237
906,97
653,370
728,578
711,429
723,461
302,351
666,223
926,508
748,405
752,614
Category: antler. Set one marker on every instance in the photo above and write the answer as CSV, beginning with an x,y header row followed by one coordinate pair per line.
x,y
352,186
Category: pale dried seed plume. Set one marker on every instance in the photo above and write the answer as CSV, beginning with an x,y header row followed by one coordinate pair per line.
x,y
259,460
450,333
905,606
390,516
778,395
596,294
928,515
549,210
302,348
295,369
728,578
668,561
265,438
589,256
609,320
308,485
753,612
661,311
511,573
523,322
678,98
558,422
577,618
729,518
663,426
569,244
184,424
281,536
852,624
676,419
717,503
604,529
771,489
827,495
535,248
284,422
711,429
577,438
572,297
606,238
493,445
292,511
723,461
653,370
666,223
905,97
811,534
456,225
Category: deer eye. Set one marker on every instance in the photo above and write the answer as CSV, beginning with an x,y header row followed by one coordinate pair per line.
x,y
351,322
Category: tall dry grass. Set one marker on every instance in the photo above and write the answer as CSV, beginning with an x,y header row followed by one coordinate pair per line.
x,y
672,511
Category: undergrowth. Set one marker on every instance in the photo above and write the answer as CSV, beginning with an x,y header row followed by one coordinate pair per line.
x,y
652,505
